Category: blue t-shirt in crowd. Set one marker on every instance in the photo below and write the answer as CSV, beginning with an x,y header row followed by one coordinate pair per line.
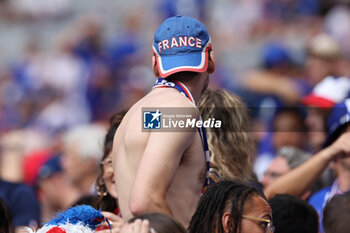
x,y
318,201
22,203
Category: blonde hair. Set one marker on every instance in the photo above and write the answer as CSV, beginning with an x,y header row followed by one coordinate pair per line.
x,y
231,148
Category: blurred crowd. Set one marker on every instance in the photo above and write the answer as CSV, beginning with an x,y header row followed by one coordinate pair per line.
x,y
288,60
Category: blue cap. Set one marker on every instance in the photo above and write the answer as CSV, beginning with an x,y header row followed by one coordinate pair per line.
x,y
51,167
339,118
275,54
181,44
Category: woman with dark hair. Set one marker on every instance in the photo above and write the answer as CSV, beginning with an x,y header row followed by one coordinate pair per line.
x,y
160,223
106,190
232,207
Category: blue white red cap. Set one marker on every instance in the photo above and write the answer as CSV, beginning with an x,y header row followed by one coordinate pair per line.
x,y
327,93
339,118
181,44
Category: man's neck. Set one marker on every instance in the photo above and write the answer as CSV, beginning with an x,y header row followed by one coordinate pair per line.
x,y
344,180
69,196
196,85
195,91
86,183
195,82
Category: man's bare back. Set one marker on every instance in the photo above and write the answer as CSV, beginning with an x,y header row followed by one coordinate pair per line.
x,y
158,171
165,171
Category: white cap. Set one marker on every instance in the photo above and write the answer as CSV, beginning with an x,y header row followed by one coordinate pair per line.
x,y
328,92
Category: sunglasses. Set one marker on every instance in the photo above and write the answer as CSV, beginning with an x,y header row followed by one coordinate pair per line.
x,y
268,225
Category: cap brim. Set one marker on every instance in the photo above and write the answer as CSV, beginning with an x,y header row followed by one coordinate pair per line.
x,y
195,62
317,101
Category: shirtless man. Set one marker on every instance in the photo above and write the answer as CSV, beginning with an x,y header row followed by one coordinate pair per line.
x,y
165,171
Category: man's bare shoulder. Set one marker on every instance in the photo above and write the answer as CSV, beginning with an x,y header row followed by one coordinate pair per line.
x,y
166,97
158,97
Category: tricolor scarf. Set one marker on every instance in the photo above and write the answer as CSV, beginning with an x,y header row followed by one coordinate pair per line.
x,y
81,218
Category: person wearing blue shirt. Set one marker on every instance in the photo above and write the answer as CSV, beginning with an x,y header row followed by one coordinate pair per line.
x,y
338,124
336,150
22,202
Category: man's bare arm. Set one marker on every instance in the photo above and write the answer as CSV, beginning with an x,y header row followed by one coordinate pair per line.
x,y
299,180
157,169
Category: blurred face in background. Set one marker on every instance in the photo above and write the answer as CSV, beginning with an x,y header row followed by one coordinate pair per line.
x,y
289,131
74,166
278,167
317,69
48,190
108,176
343,163
315,123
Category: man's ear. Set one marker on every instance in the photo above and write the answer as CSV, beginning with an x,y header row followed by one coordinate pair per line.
x,y
211,62
155,66
225,220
